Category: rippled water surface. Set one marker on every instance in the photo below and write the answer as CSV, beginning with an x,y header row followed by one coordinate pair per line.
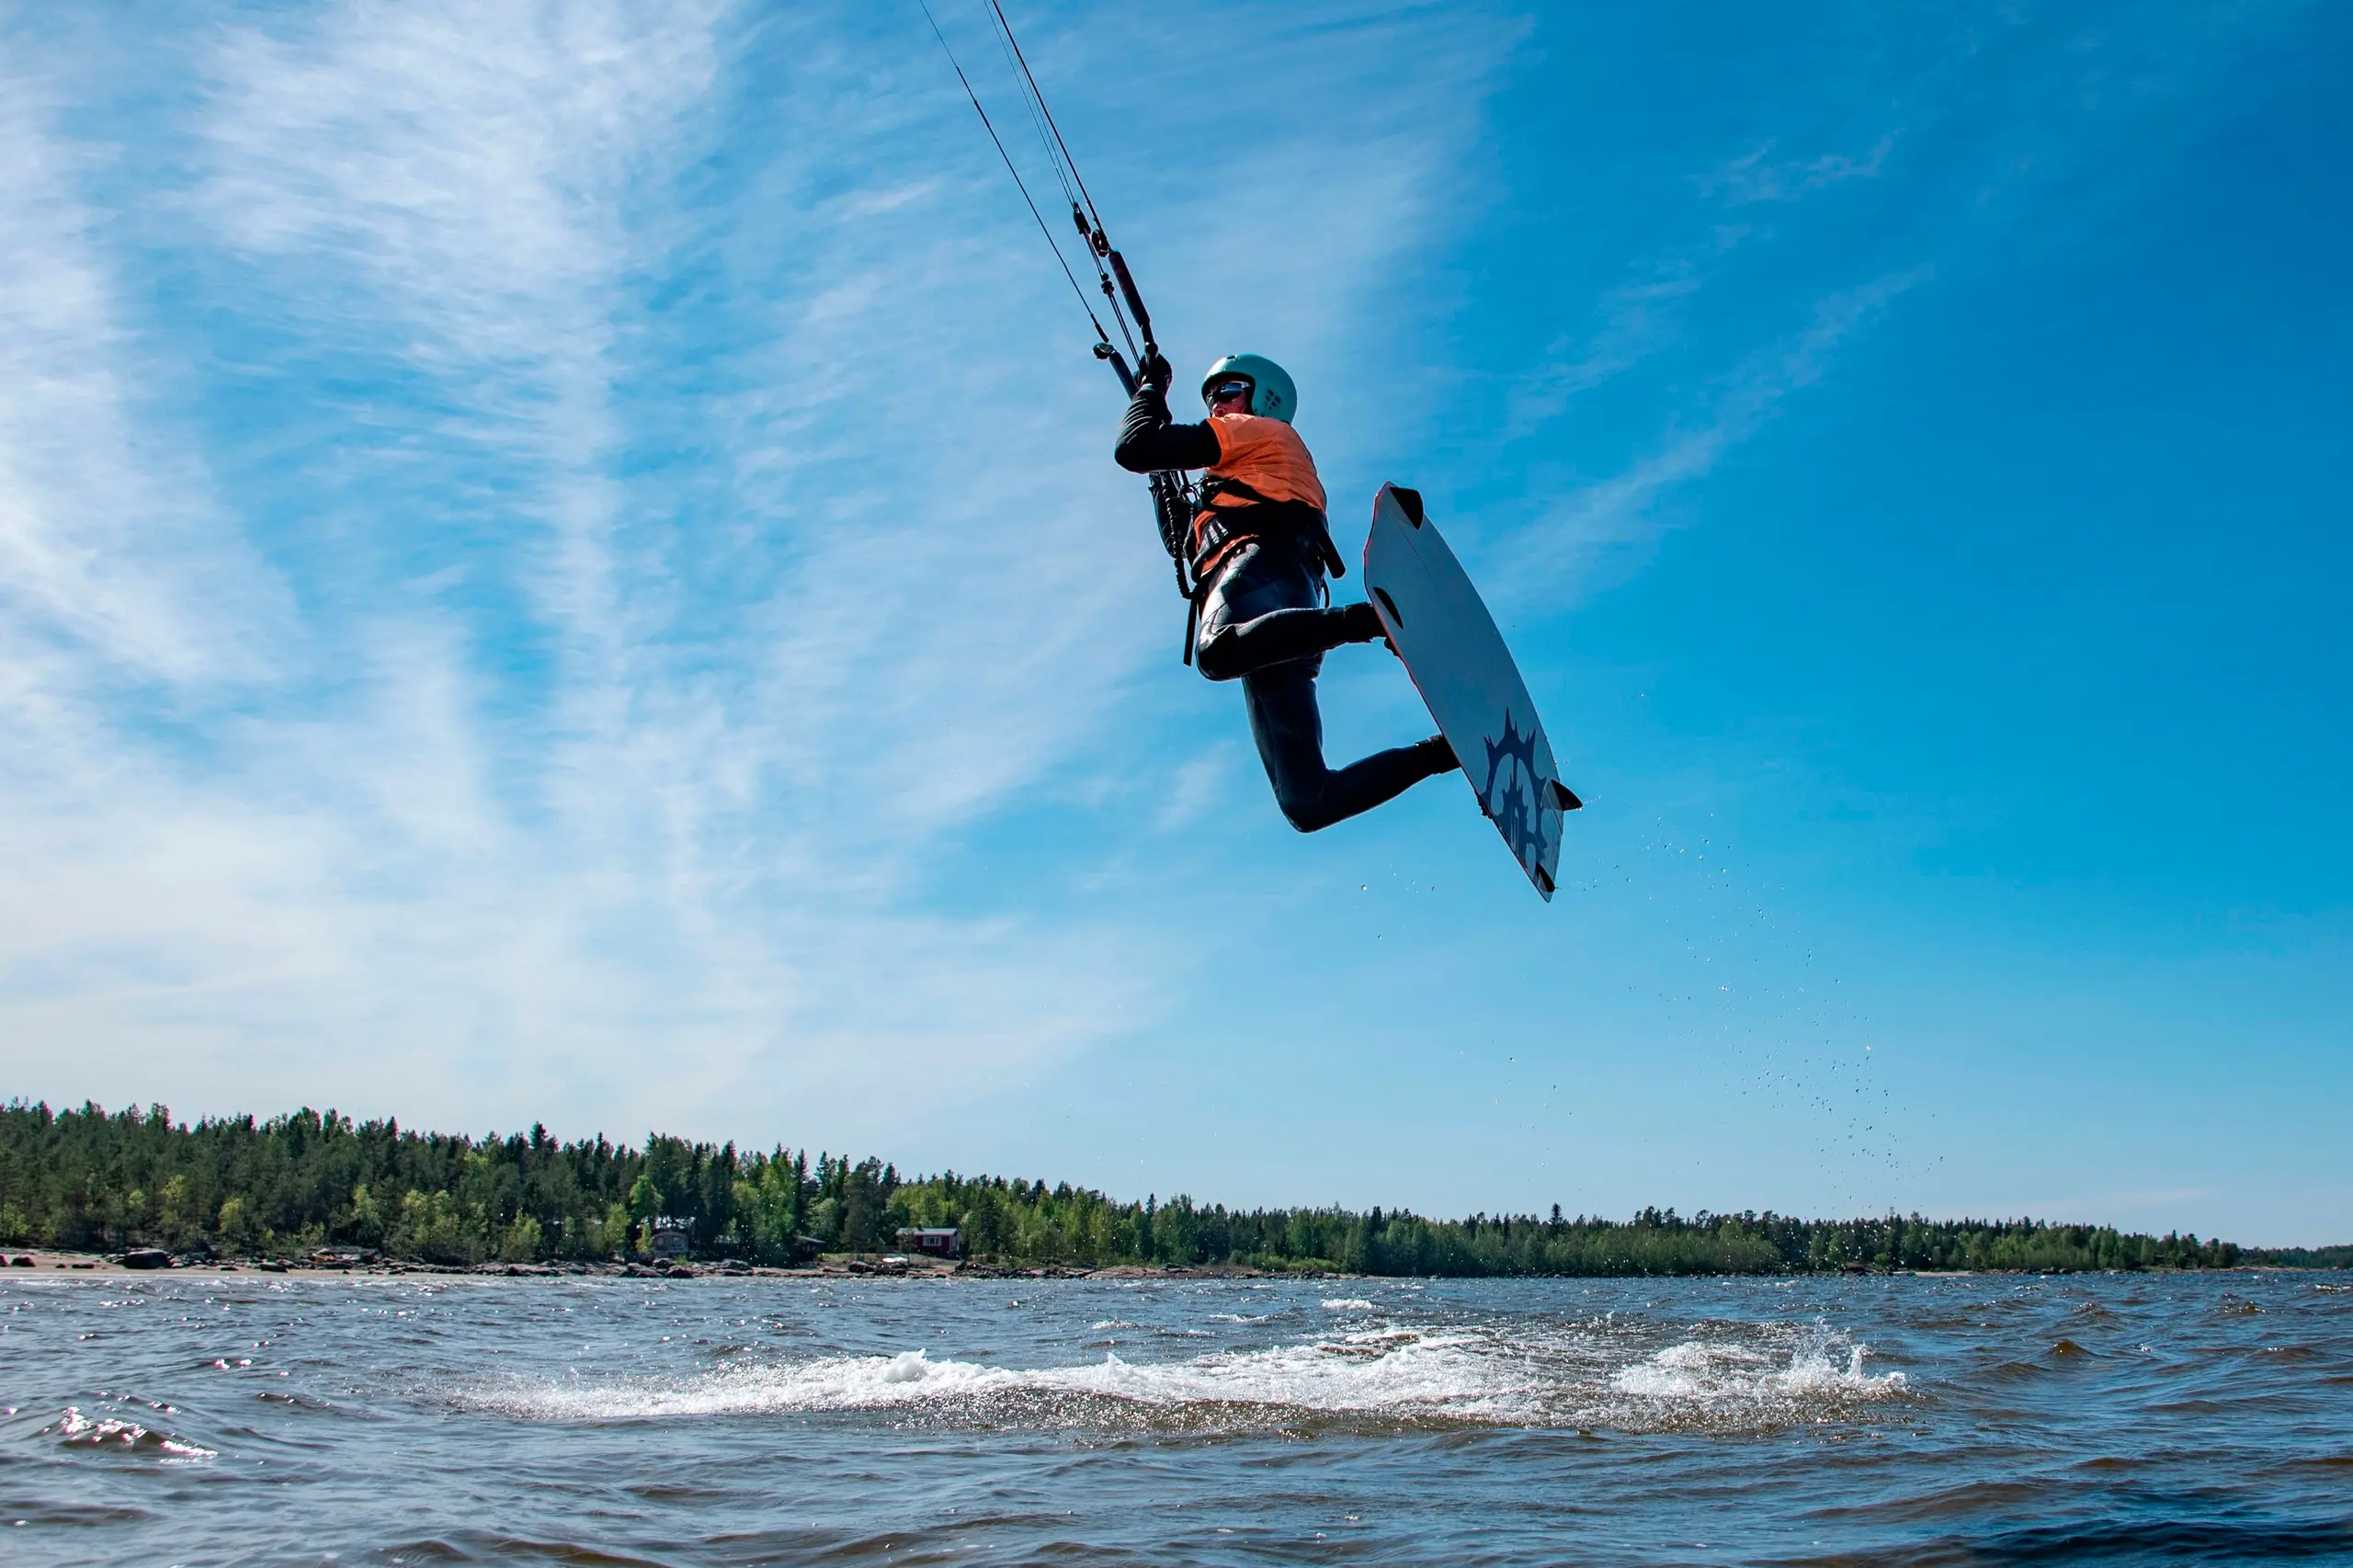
x,y
243,1419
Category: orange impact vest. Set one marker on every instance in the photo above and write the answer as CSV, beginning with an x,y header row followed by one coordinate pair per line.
x,y
1268,462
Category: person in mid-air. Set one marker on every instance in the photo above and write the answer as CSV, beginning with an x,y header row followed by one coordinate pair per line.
x,y
1261,552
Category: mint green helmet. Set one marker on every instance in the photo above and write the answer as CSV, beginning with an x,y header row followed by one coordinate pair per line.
x,y
1271,392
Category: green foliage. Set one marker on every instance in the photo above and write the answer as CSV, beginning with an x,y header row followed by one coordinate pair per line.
x,y
86,1179
2308,1258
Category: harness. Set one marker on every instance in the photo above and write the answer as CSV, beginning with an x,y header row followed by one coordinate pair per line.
x,y
1218,531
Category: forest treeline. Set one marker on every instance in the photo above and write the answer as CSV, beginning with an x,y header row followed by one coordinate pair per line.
x,y
86,1179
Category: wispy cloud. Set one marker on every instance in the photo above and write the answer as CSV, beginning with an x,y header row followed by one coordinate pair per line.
x,y
1635,321
463,192
686,580
1646,314
2003,110
560,560
1562,544
110,542
1758,176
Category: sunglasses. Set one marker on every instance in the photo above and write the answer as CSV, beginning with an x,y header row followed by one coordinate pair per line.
x,y
1223,391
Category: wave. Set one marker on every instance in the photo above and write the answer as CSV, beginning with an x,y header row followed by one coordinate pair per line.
x,y
1716,1373
1435,1373
114,1435
1479,1375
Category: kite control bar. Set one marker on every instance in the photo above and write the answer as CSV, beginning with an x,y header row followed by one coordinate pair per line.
x,y
1100,244
1172,499
1135,301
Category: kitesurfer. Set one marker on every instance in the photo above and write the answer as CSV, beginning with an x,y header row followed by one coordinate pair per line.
x,y
1261,552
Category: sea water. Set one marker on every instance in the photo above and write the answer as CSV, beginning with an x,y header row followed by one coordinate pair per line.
x,y
250,1419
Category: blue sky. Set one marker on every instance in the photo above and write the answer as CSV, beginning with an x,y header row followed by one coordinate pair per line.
x,y
562,561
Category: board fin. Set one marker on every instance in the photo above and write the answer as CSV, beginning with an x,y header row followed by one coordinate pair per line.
x,y
1543,880
1562,798
1411,500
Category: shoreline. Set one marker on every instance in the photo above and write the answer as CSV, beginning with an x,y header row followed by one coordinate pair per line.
x,y
49,1264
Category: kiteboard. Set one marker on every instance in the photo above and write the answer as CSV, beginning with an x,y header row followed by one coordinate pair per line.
x,y
1450,646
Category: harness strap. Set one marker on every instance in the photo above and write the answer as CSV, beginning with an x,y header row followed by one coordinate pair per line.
x,y
1312,532
1217,529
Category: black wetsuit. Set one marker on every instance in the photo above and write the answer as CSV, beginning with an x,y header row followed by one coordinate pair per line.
x,y
1266,621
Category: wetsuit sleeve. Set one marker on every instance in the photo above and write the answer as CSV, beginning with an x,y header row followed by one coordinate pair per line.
x,y
1150,440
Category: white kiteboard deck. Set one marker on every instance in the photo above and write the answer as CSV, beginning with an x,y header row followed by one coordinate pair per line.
x,y
1450,646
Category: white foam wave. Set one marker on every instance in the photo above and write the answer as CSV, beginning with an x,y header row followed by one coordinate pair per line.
x,y
76,1430
1718,1372
1437,1375
1346,1304
1590,1375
